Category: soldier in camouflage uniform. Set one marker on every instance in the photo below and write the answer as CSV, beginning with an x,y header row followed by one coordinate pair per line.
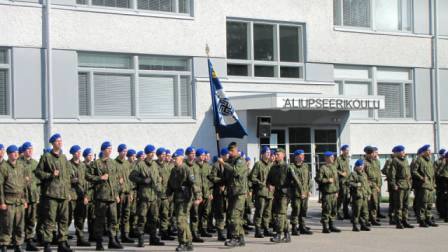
x,y
218,177
400,179
236,195
54,172
147,178
132,159
79,199
87,154
343,167
329,179
385,171
374,175
207,196
183,187
299,193
173,222
190,161
33,192
13,200
125,191
103,174
378,164
424,178
263,196
360,194
442,173
164,201
438,164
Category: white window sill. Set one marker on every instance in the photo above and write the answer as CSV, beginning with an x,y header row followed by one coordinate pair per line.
x,y
367,31
389,121
86,120
260,80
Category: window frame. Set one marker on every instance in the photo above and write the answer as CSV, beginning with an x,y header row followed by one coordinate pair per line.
x,y
372,26
7,67
135,74
251,63
133,6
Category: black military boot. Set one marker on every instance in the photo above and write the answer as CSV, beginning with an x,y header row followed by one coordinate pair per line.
x,y
181,247
18,248
189,246
364,227
141,242
431,223
114,243
54,241
47,247
64,247
287,237
221,236
204,233
267,232
126,239
407,225
333,228
211,229
355,227
276,238
241,241
392,221
232,242
305,230
31,246
99,245
196,238
423,224
258,233
155,241
294,230
81,242
165,236
4,248
325,229
399,225
375,223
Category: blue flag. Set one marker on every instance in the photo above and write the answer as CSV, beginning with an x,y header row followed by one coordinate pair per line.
x,y
225,118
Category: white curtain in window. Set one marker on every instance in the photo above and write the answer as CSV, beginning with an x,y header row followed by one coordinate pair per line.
x,y
393,99
356,13
156,96
387,15
83,89
112,95
3,92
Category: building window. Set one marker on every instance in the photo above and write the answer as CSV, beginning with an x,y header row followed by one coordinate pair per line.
x,y
381,15
4,82
396,86
264,49
355,82
174,6
113,85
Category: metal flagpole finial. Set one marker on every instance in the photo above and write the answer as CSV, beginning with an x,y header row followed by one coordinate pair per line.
x,y
207,49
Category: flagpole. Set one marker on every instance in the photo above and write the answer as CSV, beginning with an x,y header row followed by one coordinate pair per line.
x,y
212,90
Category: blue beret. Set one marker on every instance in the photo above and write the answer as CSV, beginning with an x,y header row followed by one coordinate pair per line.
x,y
11,149
419,151
21,149
298,152
375,148
2,147
344,147
189,150
47,150
265,149
86,152
247,159
224,151
168,152
398,148
359,162
368,150
74,149
426,147
446,154
149,148
178,153
26,146
54,137
121,147
105,145
328,154
100,155
442,151
215,159
140,153
131,152
200,152
243,154
160,151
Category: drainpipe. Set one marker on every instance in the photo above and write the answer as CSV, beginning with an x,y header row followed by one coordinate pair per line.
x,y
48,74
436,84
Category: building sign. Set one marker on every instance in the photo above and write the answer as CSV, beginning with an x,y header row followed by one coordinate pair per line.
x,y
328,103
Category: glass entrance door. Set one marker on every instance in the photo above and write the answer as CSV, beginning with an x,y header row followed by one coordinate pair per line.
x,y
314,141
